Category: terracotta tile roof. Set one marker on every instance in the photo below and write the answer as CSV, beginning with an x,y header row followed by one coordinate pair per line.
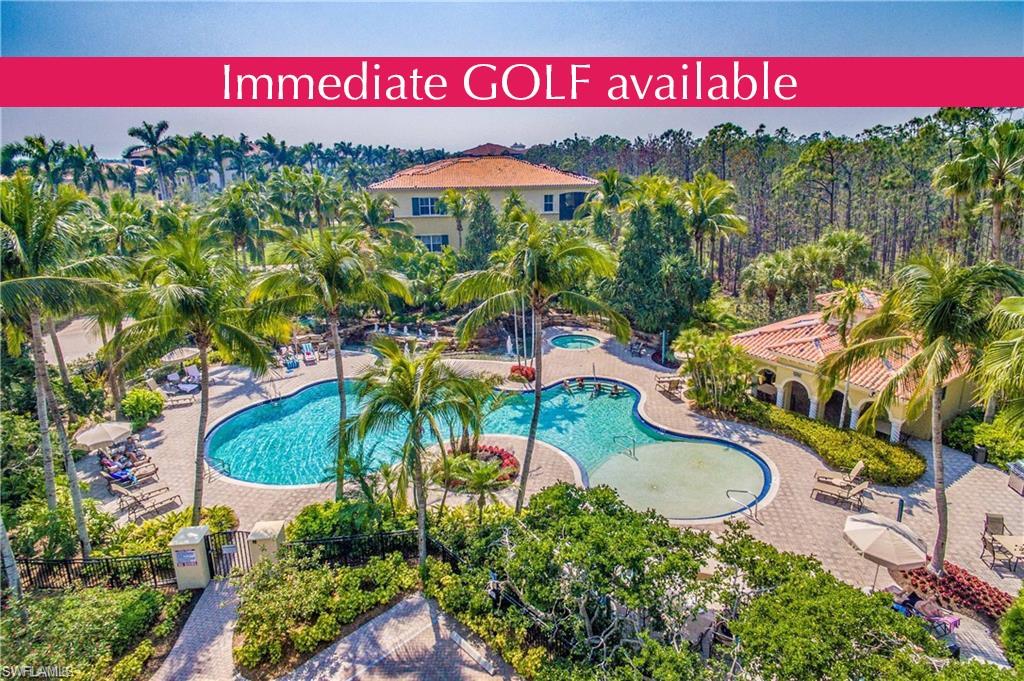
x,y
808,339
491,149
869,300
472,172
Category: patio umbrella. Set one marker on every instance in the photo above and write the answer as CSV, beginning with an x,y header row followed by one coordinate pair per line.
x,y
103,434
885,542
179,355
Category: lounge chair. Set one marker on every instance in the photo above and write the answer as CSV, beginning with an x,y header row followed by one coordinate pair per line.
x,y
193,375
670,385
131,477
838,478
142,507
127,497
172,398
322,350
941,621
173,378
308,354
842,493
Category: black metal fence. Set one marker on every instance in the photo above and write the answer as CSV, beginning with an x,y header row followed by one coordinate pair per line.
x,y
151,569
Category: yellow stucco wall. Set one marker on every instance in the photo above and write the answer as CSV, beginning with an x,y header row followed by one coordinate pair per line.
x,y
958,397
442,224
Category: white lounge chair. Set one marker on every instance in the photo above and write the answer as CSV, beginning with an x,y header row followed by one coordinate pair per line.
x,y
173,398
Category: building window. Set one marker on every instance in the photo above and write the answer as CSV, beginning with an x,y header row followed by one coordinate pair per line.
x,y
549,203
435,243
568,203
426,205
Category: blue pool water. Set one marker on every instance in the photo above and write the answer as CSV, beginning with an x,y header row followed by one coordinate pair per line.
x,y
575,341
288,442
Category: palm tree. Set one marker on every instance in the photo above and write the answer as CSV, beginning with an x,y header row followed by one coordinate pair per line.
x,y
482,479
221,148
936,314
842,307
375,213
11,572
767,275
41,278
457,205
540,267
1001,371
192,292
412,392
153,138
335,271
45,159
607,198
323,196
710,205
991,164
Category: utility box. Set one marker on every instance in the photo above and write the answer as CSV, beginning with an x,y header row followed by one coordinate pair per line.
x,y
265,539
191,564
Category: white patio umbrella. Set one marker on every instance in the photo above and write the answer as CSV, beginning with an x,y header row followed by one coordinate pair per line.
x,y
885,542
103,434
179,355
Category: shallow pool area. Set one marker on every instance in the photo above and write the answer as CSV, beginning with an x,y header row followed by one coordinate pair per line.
x,y
575,341
289,442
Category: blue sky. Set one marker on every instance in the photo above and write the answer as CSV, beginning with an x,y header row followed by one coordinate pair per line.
x,y
598,28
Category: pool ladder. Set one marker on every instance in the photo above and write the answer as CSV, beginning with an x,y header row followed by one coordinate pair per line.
x,y
744,507
630,441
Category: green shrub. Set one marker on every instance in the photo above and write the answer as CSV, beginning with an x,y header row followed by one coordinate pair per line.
x,y
1011,632
299,604
885,463
1003,443
959,433
83,629
345,517
142,405
85,396
22,474
54,534
719,373
154,534
214,357
130,667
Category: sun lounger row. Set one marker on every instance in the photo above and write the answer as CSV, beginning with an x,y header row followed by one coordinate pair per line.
x,y
172,396
140,503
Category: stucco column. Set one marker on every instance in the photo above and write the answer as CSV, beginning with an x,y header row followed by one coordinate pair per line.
x,y
265,539
854,415
780,395
188,550
812,411
894,432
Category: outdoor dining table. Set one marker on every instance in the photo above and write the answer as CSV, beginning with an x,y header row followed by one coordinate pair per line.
x,y
1012,543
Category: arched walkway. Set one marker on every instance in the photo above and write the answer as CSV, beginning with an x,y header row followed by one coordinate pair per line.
x,y
882,424
834,412
798,399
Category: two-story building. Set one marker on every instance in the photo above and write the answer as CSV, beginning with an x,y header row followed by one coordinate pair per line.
x,y
492,168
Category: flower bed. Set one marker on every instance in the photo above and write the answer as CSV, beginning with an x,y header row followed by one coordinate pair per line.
x,y
509,462
522,372
958,589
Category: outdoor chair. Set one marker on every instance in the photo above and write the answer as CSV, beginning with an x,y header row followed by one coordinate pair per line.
x,y
997,553
172,398
839,478
995,524
842,493
143,507
308,356
669,385
127,497
322,350
940,621
193,375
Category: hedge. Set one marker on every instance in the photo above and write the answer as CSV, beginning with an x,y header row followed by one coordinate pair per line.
x,y
885,463
1003,443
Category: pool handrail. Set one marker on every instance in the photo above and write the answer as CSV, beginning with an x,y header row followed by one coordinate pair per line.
x,y
745,507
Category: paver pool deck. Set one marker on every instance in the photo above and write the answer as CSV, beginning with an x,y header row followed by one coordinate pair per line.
x,y
791,519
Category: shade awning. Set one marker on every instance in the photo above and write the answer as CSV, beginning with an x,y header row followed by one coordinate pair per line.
x,y
885,542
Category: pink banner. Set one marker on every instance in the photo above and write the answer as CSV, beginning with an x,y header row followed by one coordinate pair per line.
x,y
511,81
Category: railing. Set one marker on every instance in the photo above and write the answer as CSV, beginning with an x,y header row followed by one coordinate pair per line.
x,y
729,493
151,569
218,467
630,443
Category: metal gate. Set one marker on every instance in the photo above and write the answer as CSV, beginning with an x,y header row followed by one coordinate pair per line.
x,y
227,551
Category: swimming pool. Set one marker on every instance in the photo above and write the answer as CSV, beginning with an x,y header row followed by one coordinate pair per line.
x,y
575,341
288,442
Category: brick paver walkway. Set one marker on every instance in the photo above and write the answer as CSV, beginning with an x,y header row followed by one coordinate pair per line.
x,y
203,649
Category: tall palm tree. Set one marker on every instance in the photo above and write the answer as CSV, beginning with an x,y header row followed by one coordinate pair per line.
x,y
334,270
541,266
192,292
221,148
936,314
768,275
41,277
45,158
1001,371
990,164
154,139
411,391
710,205
375,213
457,205
608,197
324,197
842,308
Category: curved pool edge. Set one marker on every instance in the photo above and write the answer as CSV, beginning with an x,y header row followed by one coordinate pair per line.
x,y
763,500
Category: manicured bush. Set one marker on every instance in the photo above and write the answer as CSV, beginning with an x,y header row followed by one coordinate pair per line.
x,y
958,589
154,534
131,666
298,604
885,463
1003,443
345,517
959,433
83,630
142,405
1011,632
718,372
